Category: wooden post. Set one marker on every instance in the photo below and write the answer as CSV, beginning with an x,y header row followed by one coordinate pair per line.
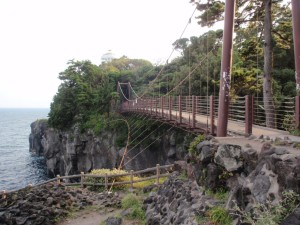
x,y
193,111
106,182
3,194
58,179
131,180
212,114
170,107
180,109
248,115
81,179
157,174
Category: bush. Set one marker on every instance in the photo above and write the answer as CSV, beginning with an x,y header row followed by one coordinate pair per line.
x,y
125,178
195,142
110,179
132,202
129,201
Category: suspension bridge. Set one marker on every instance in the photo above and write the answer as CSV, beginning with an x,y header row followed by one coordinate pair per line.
x,y
200,113
221,115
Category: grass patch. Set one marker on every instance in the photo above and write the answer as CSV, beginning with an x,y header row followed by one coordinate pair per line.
x,y
183,175
220,194
200,219
219,215
132,202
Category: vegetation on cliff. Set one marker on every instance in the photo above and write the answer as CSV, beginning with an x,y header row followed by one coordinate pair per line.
x,y
88,92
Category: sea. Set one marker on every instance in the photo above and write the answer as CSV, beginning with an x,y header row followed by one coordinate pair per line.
x,y
19,167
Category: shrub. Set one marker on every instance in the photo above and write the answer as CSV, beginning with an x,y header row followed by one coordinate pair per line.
x,y
110,179
195,142
131,201
124,178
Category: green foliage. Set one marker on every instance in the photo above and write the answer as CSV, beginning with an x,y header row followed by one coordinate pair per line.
x,y
131,201
201,219
84,93
195,142
288,123
101,180
183,175
219,215
94,122
270,213
220,194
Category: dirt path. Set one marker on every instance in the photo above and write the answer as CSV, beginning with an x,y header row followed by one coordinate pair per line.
x,y
90,216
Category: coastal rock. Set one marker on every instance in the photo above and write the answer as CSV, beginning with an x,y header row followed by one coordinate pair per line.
x,y
37,132
43,204
71,152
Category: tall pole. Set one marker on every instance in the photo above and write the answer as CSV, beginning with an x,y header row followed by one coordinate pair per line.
x,y
296,36
226,68
296,32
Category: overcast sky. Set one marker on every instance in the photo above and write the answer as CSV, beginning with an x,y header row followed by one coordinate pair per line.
x,y
38,37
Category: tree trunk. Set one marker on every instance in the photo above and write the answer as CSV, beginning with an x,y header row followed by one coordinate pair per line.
x,y
268,51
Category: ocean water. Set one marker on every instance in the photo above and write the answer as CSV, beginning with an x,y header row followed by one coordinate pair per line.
x,y
18,167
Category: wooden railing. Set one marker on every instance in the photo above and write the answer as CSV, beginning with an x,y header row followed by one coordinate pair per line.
x,y
82,179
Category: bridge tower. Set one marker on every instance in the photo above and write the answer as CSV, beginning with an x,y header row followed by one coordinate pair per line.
x,y
296,37
225,75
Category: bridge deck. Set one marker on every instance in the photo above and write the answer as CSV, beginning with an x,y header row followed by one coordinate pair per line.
x,y
203,122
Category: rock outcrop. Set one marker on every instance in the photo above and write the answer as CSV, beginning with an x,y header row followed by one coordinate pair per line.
x,y
71,152
35,138
177,201
43,205
251,177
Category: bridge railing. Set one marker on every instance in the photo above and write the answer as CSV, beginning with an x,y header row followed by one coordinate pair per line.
x,y
200,112
284,113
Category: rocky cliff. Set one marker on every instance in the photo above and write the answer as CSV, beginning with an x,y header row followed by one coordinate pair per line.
x,y
71,152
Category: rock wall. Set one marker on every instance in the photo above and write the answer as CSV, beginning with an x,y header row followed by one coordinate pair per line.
x,y
71,152
251,175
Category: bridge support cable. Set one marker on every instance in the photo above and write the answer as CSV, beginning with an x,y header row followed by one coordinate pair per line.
x,y
296,36
226,68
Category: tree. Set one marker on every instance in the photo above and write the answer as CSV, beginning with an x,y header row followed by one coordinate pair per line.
x,y
248,13
85,90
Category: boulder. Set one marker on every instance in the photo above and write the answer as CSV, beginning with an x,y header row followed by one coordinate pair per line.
x,y
113,221
292,219
229,156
